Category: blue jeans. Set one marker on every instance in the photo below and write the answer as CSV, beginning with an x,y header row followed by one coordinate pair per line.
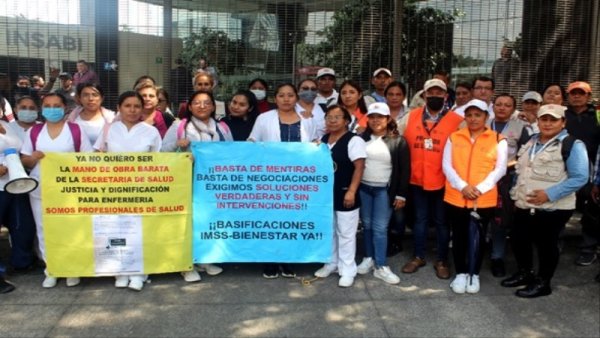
x,y
375,213
429,207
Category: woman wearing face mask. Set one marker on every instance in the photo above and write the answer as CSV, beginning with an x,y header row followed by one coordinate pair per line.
x,y
129,134
91,116
55,135
259,88
352,99
27,115
241,115
307,92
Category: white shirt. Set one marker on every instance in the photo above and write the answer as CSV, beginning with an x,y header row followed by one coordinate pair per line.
x,y
318,117
8,140
93,128
329,100
63,143
490,180
266,128
142,137
357,148
378,167
169,143
20,131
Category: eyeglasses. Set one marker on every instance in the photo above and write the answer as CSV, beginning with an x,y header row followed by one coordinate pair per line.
x,y
314,89
201,103
333,117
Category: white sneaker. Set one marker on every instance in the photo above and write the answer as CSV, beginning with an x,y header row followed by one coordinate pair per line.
x,y
473,285
384,273
136,282
365,266
346,281
191,276
121,281
73,281
325,271
49,282
210,269
459,284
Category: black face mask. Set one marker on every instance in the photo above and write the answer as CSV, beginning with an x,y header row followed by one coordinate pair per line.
x,y
435,103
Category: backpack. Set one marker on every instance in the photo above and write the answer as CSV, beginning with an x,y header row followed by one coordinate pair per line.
x,y
73,127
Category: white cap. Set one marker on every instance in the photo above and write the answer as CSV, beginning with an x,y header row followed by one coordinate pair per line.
x,y
379,70
479,104
554,110
535,96
378,108
325,71
435,83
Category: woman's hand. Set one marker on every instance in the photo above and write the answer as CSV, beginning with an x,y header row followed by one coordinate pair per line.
x,y
349,199
3,170
37,155
183,143
399,204
470,192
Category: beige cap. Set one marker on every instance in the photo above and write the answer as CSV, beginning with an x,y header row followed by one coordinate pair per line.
x,y
554,110
435,83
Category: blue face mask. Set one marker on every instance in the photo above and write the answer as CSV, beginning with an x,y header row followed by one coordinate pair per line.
x,y
54,114
307,95
27,116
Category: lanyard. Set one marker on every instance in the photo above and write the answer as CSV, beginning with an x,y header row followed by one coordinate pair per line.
x,y
534,152
436,122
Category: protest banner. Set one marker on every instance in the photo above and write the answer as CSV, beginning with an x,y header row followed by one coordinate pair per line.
x,y
262,202
116,213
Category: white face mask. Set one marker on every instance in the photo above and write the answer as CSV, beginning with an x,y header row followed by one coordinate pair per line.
x,y
259,93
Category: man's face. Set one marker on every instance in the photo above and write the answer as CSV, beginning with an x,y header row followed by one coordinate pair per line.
x,y
81,67
506,53
381,81
326,83
65,83
483,90
578,97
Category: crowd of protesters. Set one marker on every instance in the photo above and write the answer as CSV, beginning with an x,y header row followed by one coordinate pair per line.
x,y
462,159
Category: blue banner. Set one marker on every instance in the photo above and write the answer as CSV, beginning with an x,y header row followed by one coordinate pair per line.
x,y
262,202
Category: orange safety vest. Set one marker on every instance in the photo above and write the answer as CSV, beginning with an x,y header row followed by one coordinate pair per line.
x,y
426,164
473,162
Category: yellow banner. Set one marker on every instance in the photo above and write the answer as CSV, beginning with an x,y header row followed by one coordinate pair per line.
x,y
116,213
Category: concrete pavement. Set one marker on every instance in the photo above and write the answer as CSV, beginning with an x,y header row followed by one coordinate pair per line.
x,y
239,302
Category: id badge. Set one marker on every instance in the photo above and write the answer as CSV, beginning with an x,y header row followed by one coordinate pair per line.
x,y
428,144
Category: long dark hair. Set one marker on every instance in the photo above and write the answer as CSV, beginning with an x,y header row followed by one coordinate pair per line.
x,y
362,106
392,129
252,102
187,114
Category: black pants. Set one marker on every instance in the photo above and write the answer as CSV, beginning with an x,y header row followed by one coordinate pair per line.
x,y
459,219
542,230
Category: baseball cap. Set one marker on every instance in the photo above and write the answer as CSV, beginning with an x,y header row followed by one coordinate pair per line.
x,y
580,85
435,83
535,96
479,104
554,110
325,71
384,70
378,108
65,75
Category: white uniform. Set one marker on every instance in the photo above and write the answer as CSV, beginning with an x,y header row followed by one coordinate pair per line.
x,y
63,143
142,137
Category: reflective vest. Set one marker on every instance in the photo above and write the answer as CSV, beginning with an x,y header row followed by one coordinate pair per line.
x,y
426,164
473,162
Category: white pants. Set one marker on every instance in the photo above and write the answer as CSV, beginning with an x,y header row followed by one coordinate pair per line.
x,y
344,242
35,199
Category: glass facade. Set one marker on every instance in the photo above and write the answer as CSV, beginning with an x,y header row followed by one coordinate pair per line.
x,y
284,41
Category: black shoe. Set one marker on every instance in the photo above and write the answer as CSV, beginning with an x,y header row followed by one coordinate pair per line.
x,y
393,249
271,271
586,258
518,279
5,287
498,269
538,288
286,271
